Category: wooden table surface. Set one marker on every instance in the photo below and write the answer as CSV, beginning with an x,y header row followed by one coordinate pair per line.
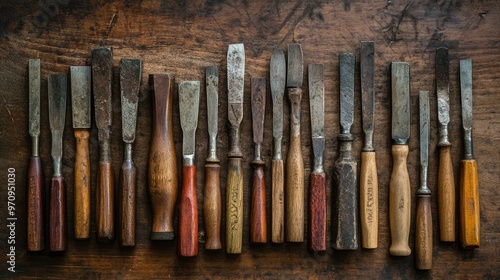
x,y
183,38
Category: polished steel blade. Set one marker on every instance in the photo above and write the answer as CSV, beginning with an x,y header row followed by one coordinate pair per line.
x,y
317,109
130,83
346,62
466,94
295,67
81,82
189,103
400,102
235,82
278,77
34,97
367,69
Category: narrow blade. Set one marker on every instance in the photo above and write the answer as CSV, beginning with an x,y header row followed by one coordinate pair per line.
x,y
189,103
424,128
57,91
400,102
212,81
130,82
102,74
442,86
295,66
258,98
317,106
235,82
278,76
346,61
466,93
367,68
34,97
81,80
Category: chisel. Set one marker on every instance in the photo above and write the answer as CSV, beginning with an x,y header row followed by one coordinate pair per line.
x,y
469,186
368,181
258,222
234,188
57,91
212,208
294,193
130,82
345,209
81,82
102,75
162,167
423,225
317,190
277,75
35,221
399,186
189,103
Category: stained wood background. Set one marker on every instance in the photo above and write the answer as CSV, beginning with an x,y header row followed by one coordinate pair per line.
x,y
183,37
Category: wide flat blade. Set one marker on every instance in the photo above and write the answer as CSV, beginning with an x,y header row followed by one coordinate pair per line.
x,y
400,102
466,93
189,103
367,69
258,98
278,77
424,128
212,84
57,91
295,67
346,62
235,82
317,108
442,86
81,82
130,83
102,74
34,97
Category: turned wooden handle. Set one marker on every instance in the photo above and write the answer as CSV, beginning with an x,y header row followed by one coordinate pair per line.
x,y
278,201
317,212
57,226
82,185
369,200
294,215
258,222
127,203
234,206
188,214
469,204
423,233
399,202
446,195
212,207
36,236
105,203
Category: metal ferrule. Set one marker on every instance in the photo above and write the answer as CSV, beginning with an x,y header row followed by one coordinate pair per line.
x,y
128,152
57,152
400,141
345,145
188,160
257,156
234,135
424,189
318,151
212,149
468,154
443,135
277,148
34,146
368,142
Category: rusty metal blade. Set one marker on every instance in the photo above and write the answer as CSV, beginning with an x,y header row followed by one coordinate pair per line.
x,y
443,86
317,106
235,82
466,96
346,63
295,66
189,103
367,69
81,81
400,102
258,98
130,82
57,92
212,84
102,74
278,77
34,97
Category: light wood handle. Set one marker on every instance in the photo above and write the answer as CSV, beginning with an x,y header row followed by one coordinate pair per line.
x,y
36,235
469,204
234,206
399,202
317,212
369,200
188,214
82,185
294,193
423,233
212,207
127,203
258,222
446,195
278,199
57,225
105,203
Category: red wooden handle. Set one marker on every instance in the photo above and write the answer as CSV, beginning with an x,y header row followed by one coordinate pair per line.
x,y
212,207
317,212
188,214
258,223
127,204
105,203
57,215
35,205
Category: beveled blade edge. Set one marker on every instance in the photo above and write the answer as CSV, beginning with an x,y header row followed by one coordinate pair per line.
x,y
367,69
212,85
278,78
424,127
400,102
102,75
258,99
466,92
346,65
130,83
189,103
81,81
295,70
316,99
34,97
57,92
442,85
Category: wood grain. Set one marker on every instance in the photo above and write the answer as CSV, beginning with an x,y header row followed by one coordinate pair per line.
x,y
258,221
57,236
35,212
278,202
446,195
105,203
368,200
128,183
469,204
317,212
212,206
234,206
82,185
423,233
188,214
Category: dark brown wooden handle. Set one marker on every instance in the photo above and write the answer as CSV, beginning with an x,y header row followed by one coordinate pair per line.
x,y
368,198
127,203
105,203
188,214
212,207
446,195
423,233
36,236
82,185
469,204
317,212
258,222
234,206
278,201
57,215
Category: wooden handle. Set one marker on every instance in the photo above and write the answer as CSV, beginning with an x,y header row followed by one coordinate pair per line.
x,y
36,236
399,202
469,204
317,212
188,214
57,215
234,206
423,233
212,207
82,185
258,222
294,193
127,204
105,203
446,196
369,200
278,201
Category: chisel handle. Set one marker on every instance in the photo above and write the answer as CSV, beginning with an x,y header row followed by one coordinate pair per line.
x,y
317,212
399,202
369,200
212,207
127,203
82,185
188,214
469,204
446,195
234,206
423,233
36,236
258,222
278,198
57,226
105,203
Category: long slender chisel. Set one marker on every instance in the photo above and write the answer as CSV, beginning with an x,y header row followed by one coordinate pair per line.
x,y
469,186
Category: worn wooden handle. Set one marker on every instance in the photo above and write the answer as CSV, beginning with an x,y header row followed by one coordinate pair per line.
x,y
399,202
469,204
105,203
423,233
127,203
369,200
446,195
212,207
82,185
36,236
57,215
258,222
188,214
234,206
278,201
317,212
294,193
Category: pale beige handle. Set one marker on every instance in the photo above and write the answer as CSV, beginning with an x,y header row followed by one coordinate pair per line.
x,y
369,200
